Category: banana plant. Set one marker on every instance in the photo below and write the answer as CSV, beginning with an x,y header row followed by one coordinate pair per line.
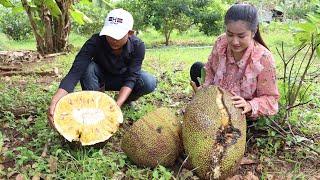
x,y
50,21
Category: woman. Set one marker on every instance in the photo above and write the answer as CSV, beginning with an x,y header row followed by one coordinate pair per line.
x,y
241,63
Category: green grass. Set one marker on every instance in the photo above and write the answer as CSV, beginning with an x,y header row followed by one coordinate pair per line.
x,y
26,137
191,37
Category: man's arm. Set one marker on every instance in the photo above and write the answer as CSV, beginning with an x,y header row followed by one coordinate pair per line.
x,y
123,95
80,64
57,96
132,73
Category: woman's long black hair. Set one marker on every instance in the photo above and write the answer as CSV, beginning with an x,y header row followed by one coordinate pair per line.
x,y
247,13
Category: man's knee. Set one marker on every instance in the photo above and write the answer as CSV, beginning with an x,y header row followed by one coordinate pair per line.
x,y
91,70
148,84
91,77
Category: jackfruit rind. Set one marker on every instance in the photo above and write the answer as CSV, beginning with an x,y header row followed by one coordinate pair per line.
x,y
208,117
87,116
154,139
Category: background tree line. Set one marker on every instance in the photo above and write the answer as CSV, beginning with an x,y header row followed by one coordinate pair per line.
x,y
51,21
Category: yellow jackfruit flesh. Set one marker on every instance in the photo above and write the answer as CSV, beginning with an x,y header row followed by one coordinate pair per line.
x,y
87,116
154,139
213,133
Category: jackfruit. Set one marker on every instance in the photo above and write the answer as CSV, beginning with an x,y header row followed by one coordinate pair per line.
x,y
213,133
87,116
154,139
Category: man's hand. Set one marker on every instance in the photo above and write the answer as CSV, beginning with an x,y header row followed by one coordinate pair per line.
x,y
240,102
123,95
58,95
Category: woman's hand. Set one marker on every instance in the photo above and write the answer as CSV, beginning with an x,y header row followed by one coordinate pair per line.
x,y
240,102
194,86
58,95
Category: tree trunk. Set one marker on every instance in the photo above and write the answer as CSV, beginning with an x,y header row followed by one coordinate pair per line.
x,y
39,39
62,26
54,39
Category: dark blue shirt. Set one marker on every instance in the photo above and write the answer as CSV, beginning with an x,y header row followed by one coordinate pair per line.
x,y
97,49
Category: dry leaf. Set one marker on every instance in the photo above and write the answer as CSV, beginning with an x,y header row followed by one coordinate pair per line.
x,y
236,177
56,71
251,176
7,78
36,177
247,161
45,150
118,176
1,167
53,163
30,119
20,177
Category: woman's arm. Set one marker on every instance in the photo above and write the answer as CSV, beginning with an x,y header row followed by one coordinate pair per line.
x,y
267,94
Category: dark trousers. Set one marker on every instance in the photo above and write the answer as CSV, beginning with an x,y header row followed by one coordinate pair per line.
x,y
94,79
195,72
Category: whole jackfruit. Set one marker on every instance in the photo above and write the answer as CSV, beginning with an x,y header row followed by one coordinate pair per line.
x,y
154,139
213,133
87,116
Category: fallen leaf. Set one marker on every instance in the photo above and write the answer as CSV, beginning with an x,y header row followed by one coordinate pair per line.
x,y
56,71
20,177
53,163
118,176
45,150
36,177
251,176
259,168
30,119
235,177
185,174
7,78
247,161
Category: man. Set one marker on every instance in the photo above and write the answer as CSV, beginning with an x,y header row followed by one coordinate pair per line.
x,y
110,60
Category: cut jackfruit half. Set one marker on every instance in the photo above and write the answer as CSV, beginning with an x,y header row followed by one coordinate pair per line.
x,y
87,116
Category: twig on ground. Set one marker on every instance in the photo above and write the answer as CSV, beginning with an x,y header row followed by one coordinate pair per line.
x,y
8,68
278,126
45,150
183,163
282,135
14,73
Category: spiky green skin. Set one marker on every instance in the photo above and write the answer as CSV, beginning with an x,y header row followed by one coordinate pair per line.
x,y
202,120
148,146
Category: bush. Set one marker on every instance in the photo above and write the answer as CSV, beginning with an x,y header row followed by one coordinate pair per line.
x,y
15,25
209,16
96,14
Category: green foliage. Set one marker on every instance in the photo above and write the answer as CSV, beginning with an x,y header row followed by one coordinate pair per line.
x,y
1,141
161,173
89,163
309,31
291,9
53,8
166,16
297,9
170,66
138,10
209,15
93,12
6,3
15,24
